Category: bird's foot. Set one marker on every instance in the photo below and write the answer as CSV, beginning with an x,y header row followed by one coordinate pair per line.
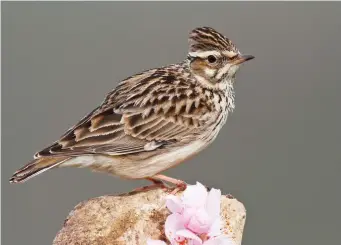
x,y
158,182
180,187
179,184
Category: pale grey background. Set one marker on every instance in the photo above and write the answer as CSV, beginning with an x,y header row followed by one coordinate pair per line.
x,y
279,152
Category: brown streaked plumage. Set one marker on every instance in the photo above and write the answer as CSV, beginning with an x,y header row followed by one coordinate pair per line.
x,y
153,120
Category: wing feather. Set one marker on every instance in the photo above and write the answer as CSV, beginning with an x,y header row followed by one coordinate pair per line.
x,y
154,107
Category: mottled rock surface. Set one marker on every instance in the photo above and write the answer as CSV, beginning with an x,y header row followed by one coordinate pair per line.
x,y
133,218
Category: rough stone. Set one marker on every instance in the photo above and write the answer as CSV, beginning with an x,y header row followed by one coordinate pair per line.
x,y
133,218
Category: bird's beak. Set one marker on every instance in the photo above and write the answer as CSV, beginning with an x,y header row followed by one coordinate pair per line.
x,y
241,59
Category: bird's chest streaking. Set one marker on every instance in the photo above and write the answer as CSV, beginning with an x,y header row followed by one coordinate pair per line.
x,y
227,104
224,105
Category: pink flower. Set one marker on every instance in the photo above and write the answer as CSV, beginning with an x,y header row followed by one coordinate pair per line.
x,y
198,209
195,218
177,233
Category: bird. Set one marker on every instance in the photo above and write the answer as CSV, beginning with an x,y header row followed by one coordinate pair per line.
x,y
153,120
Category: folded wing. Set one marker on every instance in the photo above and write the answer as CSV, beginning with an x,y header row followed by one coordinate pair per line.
x,y
143,113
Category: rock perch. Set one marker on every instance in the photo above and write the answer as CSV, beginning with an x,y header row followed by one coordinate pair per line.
x,y
133,218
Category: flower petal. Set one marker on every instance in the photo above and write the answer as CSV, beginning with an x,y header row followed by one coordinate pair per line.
x,y
200,222
220,240
189,235
174,204
174,222
155,242
215,228
213,203
187,214
195,195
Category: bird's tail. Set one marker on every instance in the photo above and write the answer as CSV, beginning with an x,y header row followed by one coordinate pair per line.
x,y
35,167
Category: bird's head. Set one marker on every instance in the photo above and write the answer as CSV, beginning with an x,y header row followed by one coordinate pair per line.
x,y
213,58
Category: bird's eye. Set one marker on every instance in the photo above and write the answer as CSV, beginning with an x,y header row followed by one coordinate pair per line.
x,y
211,59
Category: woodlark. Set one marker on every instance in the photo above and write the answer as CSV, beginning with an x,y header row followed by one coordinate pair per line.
x,y
153,120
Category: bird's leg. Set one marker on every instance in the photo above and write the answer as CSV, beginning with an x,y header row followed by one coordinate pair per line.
x,y
156,183
179,184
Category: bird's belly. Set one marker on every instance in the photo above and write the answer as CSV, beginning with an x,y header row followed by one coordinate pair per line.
x,y
140,165
167,159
